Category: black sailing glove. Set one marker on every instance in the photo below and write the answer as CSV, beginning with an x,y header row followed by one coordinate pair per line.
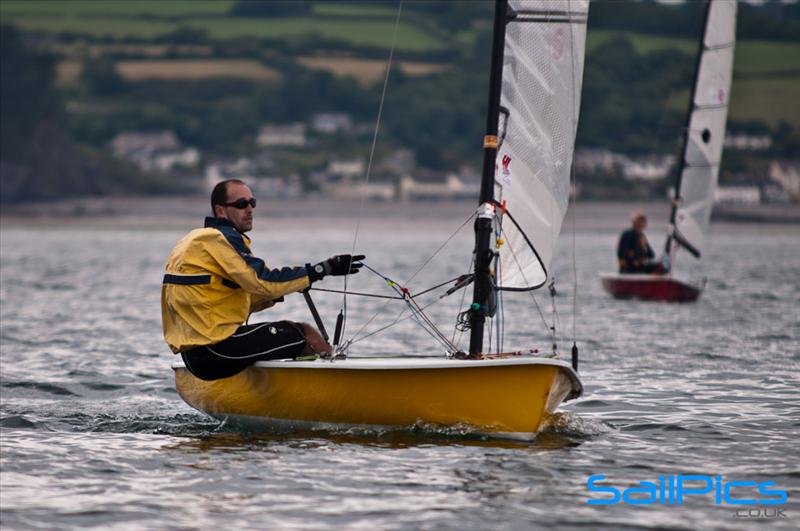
x,y
342,264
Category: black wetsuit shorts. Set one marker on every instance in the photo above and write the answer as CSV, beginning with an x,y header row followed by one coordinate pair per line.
x,y
249,344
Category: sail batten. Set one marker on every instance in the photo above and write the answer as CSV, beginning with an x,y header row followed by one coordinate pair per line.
x,y
542,76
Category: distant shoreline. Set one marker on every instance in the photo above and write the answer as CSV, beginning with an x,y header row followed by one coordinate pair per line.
x,y
187,212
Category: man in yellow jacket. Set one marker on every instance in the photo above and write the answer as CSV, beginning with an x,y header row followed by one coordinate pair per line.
x,y
213,283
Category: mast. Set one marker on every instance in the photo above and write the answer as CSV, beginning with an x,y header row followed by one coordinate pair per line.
x,y
483,223
677,197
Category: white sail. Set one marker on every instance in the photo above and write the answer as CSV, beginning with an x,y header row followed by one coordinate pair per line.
x,y
703,151
542,75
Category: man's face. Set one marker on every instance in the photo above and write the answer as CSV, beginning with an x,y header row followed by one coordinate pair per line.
x,y
242,218
639,224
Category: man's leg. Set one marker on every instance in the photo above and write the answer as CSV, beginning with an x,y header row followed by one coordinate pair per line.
x,y
250,343
315,343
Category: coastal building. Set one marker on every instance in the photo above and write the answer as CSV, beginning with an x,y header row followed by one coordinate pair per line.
x,y
744,195
256,172
647,168
596,161
745,142
347,169
434,186
787,174
154,151
400,162
289,135
331,123
381,191
605,162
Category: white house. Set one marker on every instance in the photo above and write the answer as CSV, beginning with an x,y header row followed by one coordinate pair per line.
x,y
290,135
159,150
330,122
787,175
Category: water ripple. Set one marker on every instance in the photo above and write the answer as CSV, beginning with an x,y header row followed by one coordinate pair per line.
x,y
94,434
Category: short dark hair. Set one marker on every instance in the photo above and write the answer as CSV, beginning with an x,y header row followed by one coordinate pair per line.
x,y
219,196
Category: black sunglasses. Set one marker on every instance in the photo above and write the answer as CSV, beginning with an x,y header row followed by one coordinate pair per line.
x,y
241,204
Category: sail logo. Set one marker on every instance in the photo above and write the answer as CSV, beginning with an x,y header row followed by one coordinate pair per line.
x,y
506,161
674,490
717,96
505,170
556,42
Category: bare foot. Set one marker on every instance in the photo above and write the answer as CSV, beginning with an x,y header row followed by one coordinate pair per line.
x,y
315,343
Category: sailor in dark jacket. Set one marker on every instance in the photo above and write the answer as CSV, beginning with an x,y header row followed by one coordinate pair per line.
x,y
634,252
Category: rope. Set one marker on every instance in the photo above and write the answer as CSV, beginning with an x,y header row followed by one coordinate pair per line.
x,y
377,296
417,312
358,293
574,194
501,320
372,154
460,306
425,263
397,320
442,246
535,302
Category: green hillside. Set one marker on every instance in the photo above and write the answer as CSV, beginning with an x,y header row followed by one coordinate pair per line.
x,y
119,9
213,72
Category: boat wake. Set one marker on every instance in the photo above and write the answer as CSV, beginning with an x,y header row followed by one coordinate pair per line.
x,y
561,429
570,424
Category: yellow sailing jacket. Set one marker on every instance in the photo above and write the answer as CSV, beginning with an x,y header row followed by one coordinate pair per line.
x,y
213,283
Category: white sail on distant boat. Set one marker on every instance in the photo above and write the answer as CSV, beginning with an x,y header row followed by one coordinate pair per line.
x,y
534,97
699,163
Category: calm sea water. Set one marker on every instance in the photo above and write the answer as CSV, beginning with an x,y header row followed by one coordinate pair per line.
x,y
94,434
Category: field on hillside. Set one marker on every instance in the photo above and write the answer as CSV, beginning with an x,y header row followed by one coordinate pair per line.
x,y
375,33
368,71
641,42
118,8
751,57
101,27
766,74
767,100
196,69
759,58
770,100
344,10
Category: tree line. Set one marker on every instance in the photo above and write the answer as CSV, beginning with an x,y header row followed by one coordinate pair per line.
x,y
439,116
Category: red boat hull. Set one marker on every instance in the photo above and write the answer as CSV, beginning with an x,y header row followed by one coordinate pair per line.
x,y
650,288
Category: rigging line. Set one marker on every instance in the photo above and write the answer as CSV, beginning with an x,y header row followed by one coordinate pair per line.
x,y
423,320
442,246
437,286
431,257
402,292
392,283
397,320
399,317
498,274
378,296
574,194
535,302
460,306
574,260
419,314
447,347
431,328
501,324
372,152
358,293
501,321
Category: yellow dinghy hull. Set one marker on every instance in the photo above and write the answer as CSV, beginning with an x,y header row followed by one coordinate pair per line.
x,y
509,397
